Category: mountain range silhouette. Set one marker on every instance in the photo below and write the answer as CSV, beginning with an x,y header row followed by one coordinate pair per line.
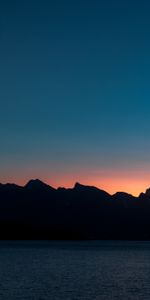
x,y
39,211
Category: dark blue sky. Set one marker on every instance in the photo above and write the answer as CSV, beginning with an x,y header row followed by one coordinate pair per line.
x,y
75,92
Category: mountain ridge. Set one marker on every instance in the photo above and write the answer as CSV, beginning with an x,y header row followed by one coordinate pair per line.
x,y
39,211
77,185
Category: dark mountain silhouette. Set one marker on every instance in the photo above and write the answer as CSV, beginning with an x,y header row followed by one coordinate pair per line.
x,y
38,211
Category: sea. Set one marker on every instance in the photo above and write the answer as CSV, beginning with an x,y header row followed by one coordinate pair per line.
x,y
74,270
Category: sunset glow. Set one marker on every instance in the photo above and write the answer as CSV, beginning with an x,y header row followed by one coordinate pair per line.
x,y
111,182
75,94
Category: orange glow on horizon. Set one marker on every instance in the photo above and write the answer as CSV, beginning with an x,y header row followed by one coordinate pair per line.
x,y
132,183
131,186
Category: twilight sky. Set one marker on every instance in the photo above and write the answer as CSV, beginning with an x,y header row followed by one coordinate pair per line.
x,y
75,93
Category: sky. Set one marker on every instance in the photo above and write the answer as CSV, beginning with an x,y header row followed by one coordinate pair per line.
x,y
75,93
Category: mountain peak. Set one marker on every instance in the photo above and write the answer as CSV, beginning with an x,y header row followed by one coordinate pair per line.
x,y
37,184
145,195
78,185
123,195
34,182
148,192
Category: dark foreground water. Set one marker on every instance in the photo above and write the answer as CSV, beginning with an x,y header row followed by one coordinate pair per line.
x,y
75,270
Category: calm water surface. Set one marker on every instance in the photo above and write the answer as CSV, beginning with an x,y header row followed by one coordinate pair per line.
x,y
90,270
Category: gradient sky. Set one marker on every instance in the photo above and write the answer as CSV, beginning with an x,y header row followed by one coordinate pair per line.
x,y
75,93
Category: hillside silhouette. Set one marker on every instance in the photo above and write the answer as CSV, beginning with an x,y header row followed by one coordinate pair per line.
x,y
39,211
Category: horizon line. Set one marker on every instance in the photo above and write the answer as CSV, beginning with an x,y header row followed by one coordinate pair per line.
x,y
72,187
